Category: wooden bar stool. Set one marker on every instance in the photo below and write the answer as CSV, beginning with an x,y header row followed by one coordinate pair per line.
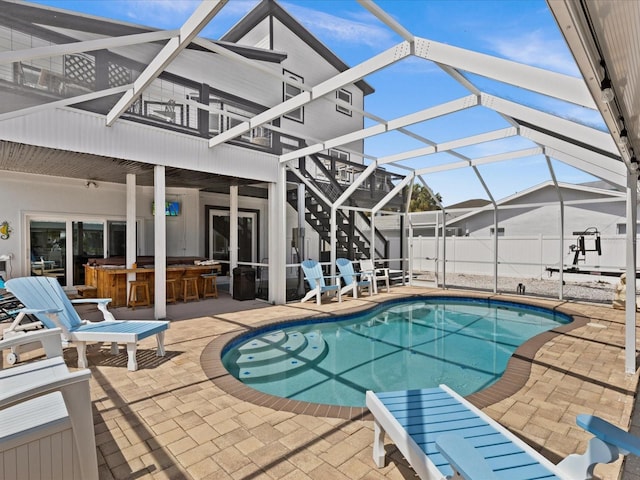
x,y
138,294
190,284
210,285
171,290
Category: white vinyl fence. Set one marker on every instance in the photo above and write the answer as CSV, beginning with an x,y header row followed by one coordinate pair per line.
x,y
520,257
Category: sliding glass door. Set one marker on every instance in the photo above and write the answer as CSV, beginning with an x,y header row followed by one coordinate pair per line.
x,y
48,240
61,247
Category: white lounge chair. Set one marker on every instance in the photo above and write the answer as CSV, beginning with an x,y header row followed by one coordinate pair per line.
x,y
315,277
44,298
369,271
421,422
351,281
45,413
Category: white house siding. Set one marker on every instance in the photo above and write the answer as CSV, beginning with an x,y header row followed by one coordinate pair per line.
x,y
79,131
321,120
57,198
230,76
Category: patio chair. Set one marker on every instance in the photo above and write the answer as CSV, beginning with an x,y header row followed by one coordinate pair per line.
x,y
46,417
350,278
45,299
315,277
374,274
422,422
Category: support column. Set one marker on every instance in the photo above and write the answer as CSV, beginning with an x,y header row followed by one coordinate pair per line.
x,y
333,241
160,243
277,231
410,247
131,244
495,248
301,234
630,309
233,232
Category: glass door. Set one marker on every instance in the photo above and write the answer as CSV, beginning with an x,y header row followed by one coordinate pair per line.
x,y
219,228
48,249
88,242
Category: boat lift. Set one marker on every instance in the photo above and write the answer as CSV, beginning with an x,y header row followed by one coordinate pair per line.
x,y
586,241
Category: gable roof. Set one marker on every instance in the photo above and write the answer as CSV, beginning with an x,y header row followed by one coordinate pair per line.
x,y
271,8
567,186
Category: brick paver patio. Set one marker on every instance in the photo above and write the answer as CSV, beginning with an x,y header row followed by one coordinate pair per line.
x,y
169,421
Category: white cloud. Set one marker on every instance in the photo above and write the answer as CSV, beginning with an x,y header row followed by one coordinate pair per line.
x,y
538,49
172,13
340,29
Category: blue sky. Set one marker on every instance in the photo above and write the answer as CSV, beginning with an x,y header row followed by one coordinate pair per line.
x,y
520,30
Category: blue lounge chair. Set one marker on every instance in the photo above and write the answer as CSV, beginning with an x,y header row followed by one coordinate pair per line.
x,y
438,432
315,277
44,298
351,282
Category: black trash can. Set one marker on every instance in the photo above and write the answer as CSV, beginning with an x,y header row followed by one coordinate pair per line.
x,y
244,283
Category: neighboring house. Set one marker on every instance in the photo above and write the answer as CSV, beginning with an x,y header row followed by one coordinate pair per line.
x,y
537,210
528,230
67,180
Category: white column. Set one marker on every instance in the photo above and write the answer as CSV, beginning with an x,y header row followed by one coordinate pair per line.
x,y
131,244
233,232
302,255
160,243
495,248
333,241
630,309
410,245
277,232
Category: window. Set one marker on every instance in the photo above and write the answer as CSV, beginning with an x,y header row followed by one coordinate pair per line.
x,y
290,91
339,154
345,96
621,228
500,231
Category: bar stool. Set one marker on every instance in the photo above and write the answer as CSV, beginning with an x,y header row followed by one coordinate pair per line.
x,y
190,284
135,296
210,285
171,290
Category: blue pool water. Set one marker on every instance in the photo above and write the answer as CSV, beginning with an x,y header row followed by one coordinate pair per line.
x,y
465,343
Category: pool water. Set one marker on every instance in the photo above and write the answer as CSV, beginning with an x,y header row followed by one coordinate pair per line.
x,y
464,343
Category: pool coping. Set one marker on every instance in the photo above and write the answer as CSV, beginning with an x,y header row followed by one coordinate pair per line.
x,y
514,378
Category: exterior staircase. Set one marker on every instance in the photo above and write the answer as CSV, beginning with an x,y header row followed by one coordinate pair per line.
x,y
351,241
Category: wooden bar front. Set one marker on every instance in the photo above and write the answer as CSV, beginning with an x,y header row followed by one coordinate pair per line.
x,y
111,282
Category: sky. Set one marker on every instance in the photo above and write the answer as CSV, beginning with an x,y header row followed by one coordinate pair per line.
x,y
519,30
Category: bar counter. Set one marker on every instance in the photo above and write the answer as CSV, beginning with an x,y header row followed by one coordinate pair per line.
x,y
111,281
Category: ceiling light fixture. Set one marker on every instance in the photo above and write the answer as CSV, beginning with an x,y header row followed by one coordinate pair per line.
x,y
606,92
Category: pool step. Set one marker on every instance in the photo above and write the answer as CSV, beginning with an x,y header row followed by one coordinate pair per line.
x,y
265,342
306,350
295,342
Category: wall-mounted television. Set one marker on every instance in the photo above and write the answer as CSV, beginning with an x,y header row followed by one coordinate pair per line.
x,y
171,209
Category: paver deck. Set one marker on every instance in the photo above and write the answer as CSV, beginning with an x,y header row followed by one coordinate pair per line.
x,y
169,420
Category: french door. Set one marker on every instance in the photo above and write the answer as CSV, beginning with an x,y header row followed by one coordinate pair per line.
x,y
219,238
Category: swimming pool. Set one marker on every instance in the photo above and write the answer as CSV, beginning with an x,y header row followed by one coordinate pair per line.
x,y
463,342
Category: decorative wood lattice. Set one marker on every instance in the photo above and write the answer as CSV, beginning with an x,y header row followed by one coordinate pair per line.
x,y
119,75
80,69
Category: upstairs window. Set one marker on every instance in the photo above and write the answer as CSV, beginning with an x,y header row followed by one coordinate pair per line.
x,y
291,90
339,154
345,96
